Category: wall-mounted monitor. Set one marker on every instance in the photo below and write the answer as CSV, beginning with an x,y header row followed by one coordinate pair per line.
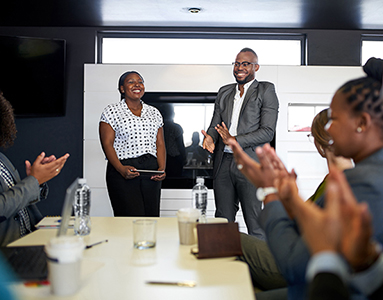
x,y
32,75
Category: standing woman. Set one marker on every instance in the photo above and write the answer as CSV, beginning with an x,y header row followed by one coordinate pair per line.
x,y
131,134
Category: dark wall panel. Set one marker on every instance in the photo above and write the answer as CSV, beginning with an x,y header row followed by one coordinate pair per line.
x,y
329,48
57,135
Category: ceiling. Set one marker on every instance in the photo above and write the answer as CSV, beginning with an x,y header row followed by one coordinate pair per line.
x,y
294,14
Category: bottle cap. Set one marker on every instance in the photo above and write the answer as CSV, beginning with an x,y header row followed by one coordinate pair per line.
x,y
200,180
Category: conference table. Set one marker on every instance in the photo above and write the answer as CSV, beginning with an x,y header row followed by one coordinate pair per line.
x,y
116,270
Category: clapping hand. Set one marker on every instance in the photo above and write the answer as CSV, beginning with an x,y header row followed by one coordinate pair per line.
x,y
343,226
45,168
208,143
224,133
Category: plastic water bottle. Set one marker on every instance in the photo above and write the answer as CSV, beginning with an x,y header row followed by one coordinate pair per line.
x,y
81,208
199,194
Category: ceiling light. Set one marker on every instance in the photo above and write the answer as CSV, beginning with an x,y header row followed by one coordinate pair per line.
x,y
194,10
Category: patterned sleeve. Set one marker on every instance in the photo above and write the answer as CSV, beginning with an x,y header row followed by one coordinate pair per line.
x,y
107,115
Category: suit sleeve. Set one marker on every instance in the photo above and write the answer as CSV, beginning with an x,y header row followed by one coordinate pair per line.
x,y
285,242
18,197
217,118
23,193
268,118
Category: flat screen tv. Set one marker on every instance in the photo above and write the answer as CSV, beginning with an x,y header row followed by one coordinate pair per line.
x,y
32,75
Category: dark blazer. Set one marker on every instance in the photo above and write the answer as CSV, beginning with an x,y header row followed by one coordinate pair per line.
x,y
328,286
21,195
283,237
257,118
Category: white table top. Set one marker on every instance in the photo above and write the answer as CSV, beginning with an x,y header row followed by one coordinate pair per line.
x,y
115,270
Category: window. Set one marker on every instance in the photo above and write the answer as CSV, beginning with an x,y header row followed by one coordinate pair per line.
x,y
213,48
372,46
300,116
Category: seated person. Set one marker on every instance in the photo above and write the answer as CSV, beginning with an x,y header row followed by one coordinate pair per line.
x,y
18,212
266,274
322,143
340,241
356,128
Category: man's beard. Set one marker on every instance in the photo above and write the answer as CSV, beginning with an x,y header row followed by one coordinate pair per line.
x,y
245,80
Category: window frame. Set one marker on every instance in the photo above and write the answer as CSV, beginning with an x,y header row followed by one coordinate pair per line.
x,y
369,37
184,34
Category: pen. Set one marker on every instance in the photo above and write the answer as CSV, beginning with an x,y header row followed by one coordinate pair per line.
x,y
187,283
95,244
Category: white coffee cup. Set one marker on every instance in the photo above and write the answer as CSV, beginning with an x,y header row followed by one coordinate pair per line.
x,y
187,222
64,255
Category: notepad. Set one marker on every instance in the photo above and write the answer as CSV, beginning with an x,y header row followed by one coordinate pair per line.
x,y
53,222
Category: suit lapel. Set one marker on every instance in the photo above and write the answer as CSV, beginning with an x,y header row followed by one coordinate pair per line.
x,y
230,104
252,92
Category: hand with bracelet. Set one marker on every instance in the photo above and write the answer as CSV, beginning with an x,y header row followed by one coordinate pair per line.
x,y
259,174
264,174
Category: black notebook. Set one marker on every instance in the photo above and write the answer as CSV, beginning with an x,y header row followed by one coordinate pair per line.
x,y
28,263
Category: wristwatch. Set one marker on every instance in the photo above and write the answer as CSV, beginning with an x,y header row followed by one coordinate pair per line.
x,y
263,192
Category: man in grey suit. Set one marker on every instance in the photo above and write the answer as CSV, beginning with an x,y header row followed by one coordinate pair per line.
x,y
246,111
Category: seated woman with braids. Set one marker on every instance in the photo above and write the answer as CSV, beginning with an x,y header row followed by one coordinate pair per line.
x,y
356,128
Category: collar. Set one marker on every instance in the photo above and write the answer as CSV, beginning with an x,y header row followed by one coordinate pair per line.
x,y
246,86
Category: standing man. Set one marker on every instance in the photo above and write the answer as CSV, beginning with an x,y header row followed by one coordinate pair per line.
x,y
246,111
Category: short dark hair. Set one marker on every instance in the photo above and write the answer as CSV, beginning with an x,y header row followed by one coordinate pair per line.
x,y
122,79
249,50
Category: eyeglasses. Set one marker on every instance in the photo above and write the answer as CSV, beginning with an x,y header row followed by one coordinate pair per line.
x,y
310,137
244,64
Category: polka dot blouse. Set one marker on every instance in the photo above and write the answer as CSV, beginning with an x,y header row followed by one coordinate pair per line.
x,y
134,136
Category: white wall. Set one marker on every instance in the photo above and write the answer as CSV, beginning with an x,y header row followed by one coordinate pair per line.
x,y
295,84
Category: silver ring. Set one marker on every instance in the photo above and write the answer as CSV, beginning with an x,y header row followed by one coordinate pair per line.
x,y
239,166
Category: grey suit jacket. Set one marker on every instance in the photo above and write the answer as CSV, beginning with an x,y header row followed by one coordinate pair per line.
x,y
257,118
21,195
285,241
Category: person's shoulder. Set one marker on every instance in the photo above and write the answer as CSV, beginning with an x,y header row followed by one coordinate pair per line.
x,y
227,87
4,158
265,83
112,106
150,107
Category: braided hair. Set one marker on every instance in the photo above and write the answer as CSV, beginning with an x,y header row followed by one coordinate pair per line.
x,y
364,94
7,123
